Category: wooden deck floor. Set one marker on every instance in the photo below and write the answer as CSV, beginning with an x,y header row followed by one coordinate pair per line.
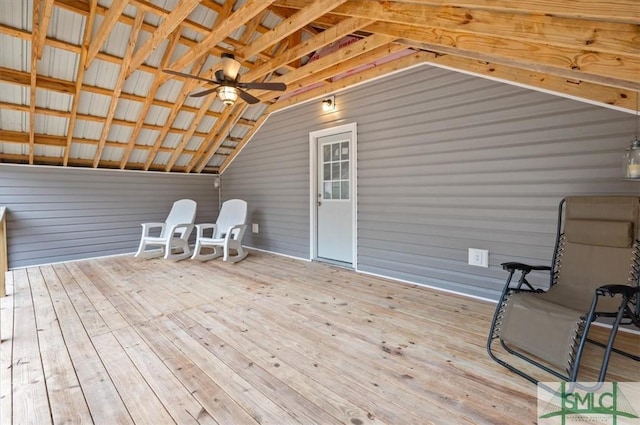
x,y
269,340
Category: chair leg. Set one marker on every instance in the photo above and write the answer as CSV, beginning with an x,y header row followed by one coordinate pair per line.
x,y
177,244
146,254
198,255
240,255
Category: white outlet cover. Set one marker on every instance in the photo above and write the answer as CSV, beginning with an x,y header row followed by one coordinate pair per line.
x,y
478,257
255,228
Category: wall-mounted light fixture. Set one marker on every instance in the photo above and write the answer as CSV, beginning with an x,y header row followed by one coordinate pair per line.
x,y
329,104
631,163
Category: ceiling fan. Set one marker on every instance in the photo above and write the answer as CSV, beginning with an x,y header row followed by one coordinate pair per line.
x,y
229,87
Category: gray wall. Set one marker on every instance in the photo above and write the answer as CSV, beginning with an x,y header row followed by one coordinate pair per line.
x,y
446,161
59,214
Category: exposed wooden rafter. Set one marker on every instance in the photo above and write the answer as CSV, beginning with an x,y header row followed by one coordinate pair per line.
x,y
584,49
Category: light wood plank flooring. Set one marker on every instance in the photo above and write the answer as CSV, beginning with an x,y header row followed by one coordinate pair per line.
x,y
269,340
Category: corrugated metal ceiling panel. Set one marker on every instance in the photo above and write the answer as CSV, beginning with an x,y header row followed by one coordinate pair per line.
x,y
49,124
172,140
138,156
128,110
170,90
102,74
110,153
93,104
183,120
53,100
147,137
162,158
119,133
14,120
194,143
66,26
157,115
58,63
15,53
48,151
18,13
87,129
138,83
205,124
82,151
14,148
117,41
15,94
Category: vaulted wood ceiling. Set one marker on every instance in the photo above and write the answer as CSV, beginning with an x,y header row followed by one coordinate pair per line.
x,y
81,81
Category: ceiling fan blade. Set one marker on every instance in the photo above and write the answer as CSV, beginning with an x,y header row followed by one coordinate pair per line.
x,y
203,93
251,100
230,66
182,74
264,86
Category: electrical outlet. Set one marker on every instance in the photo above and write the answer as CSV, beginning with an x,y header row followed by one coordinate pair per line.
x,y
255,228
478,257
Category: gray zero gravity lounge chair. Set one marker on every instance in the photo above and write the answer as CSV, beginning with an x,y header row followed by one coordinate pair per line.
x,y
594,273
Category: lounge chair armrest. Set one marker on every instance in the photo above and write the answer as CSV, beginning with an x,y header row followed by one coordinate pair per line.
x,y
611,290
513,266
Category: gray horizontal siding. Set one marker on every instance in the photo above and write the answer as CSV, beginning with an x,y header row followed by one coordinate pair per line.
x,y
59,214
446,162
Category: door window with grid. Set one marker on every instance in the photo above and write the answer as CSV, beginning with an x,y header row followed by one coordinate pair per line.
x,y
335,170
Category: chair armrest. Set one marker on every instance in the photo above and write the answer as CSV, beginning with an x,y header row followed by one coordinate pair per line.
x,y
240,231
147,227
612,290
202,227
524,269
515,266
188,227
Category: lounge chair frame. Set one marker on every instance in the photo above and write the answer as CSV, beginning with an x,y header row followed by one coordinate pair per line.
x,y
627,313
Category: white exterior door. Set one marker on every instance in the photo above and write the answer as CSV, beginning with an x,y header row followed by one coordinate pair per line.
x,y
334,197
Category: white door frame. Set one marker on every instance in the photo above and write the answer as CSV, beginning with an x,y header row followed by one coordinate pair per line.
x,y
313,185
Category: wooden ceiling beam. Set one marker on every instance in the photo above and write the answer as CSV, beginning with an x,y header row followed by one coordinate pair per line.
x,y
40,30
110,20
68,87
597,93
33,76
122,75
578,34
247,11
612,10
60,141
123,123
224,13
217,137
158,80
170,23
186,89
367,58
346,27
64,45
359,47
288,26
82,61
599,68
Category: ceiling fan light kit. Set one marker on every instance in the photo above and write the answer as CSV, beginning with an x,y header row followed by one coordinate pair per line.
x,y
228,95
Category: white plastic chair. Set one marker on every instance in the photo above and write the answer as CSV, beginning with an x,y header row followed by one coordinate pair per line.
x,y
174,233
226,233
